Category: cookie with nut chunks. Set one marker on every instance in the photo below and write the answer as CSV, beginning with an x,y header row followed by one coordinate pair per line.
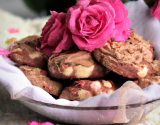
x,y
24,52
132,59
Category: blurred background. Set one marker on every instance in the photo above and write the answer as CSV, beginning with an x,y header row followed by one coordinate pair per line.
x,y
38,8
35,8
17,7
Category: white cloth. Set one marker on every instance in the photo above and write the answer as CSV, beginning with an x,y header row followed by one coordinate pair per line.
x,y
19,86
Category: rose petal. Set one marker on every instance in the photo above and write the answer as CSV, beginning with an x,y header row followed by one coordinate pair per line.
x,y
155,10
4,51
66,43
99,41
36,123
71,23
33,123
48,51
55,34
83,3
120,11
118,6
49,23
147,26
46,123
108,8
122,31
13,30
100,15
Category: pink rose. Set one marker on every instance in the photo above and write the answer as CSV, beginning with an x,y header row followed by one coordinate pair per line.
x,y
93,22
155,10
55,35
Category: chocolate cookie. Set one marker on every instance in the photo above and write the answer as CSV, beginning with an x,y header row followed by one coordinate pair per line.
x,y
39,78
83,89
24,52
145,82
132,59
75,64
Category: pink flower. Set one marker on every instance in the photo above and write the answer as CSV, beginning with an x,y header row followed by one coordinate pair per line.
x,y
36,123
55,35
155,10
93,22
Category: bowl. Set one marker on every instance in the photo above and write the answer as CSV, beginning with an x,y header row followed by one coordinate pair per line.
x,y
91,115
126,105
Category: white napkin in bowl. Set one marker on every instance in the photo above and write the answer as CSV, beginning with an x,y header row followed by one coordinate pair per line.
x,y
19,86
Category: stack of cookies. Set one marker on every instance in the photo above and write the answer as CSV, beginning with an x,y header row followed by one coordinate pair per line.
x,y
77,74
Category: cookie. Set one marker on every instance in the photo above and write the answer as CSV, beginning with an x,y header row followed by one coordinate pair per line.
x,y
83,89
132,59
39,78
75,64
145,82
156,67
24,52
